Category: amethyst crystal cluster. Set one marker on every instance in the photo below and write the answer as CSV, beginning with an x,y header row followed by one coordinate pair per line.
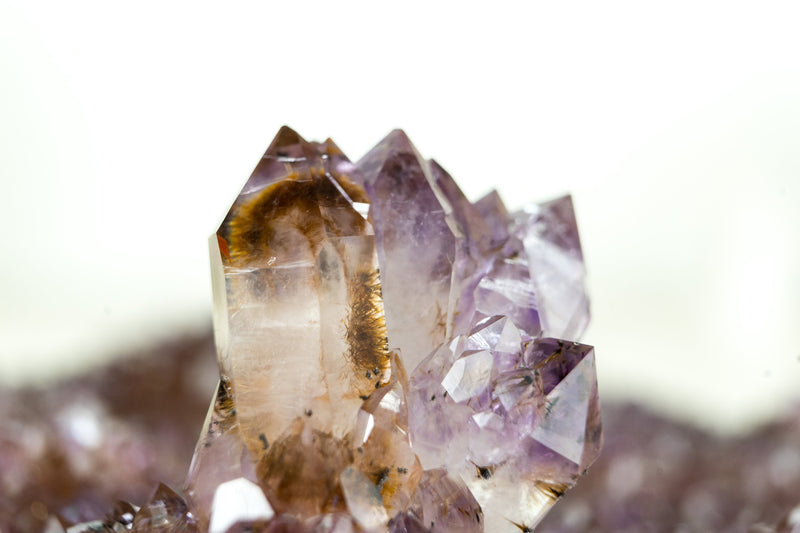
x,y
392,357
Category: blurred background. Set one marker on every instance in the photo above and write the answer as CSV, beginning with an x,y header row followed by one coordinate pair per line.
x,y
126,130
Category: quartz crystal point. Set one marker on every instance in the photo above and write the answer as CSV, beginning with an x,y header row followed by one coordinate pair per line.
x,y
416,246
550,237
165,512
389,352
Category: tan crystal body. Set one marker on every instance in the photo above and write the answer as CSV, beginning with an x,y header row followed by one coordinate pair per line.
x,y
304,318
302,343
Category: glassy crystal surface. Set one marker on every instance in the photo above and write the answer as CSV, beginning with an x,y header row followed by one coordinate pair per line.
x,y
165,512
550,237
392,356
416,246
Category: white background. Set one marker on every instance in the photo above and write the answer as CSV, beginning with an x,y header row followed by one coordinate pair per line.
x,y
126,129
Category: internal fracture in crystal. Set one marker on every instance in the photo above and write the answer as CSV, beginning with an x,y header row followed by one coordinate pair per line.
x,y
392,356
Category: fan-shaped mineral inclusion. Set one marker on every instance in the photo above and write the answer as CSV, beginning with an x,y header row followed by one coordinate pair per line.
x,y
390,354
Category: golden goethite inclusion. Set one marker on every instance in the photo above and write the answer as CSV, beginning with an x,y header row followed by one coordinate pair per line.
x,y
385,354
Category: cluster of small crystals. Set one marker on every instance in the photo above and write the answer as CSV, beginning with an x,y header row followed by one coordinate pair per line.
x,y
391,355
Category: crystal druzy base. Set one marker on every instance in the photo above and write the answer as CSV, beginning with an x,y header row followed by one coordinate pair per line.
x,y
389,353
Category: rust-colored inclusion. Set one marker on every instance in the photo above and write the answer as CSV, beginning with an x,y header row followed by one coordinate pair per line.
x,y
300,203
301,471
299,213
366,327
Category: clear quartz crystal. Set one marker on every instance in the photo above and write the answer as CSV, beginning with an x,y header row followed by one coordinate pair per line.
x,y
386,353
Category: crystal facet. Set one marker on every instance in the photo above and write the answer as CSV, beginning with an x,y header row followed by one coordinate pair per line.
x,y
166,511
387,354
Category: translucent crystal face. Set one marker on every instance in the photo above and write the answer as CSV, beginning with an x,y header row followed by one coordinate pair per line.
x,y
385,351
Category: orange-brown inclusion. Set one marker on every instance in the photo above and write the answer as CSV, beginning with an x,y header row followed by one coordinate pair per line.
x,y
257,232
310,207
301,471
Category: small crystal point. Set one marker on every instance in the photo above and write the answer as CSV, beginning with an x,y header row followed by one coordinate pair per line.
x,y
494,214
166,511
550,236
287,143
466,218
383,364
286,147
121,516
372,163
571,425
